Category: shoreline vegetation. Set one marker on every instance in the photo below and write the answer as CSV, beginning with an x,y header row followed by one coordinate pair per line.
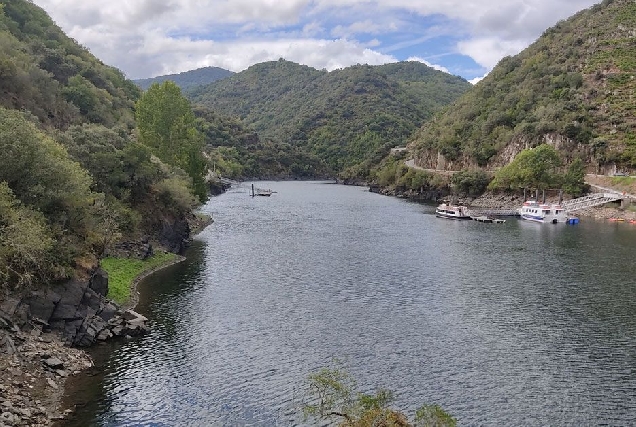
x,y
125,274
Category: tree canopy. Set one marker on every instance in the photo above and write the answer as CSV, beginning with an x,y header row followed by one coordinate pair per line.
x,y
535,168
345,117
331,394
166,124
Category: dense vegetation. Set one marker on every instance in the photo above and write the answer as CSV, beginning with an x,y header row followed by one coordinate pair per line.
x,y
332,395
573,87
237,153
74,180
349,118
187,79
48,74
540,169
166,124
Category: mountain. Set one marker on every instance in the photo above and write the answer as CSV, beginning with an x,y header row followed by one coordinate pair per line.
x,y
347,117
74,180
200,76
239,153
48,74
573,88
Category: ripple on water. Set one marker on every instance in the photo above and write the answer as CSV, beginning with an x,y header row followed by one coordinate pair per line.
x,y
513,324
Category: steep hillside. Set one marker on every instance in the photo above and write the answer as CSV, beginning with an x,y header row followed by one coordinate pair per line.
x,y
574,88
74,179
238,153
48,74
187,79
345,117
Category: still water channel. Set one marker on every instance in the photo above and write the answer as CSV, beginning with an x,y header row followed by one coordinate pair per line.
x,y
512,324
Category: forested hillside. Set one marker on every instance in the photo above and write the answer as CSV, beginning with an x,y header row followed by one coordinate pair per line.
x,y
236,152
187,79
48,74
74,178
349,118
574,88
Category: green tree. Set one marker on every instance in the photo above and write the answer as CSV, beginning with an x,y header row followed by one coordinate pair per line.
x,y
166,124
531,168
471,183
574,178
332,395
25,242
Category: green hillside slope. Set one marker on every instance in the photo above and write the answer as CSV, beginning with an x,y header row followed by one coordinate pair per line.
x,y
346,117
48,74
74,180
573,88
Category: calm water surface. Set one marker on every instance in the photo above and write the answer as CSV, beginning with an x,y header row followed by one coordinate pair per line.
x,y
513,324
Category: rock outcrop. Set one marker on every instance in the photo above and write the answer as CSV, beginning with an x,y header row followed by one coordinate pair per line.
x,y
77,310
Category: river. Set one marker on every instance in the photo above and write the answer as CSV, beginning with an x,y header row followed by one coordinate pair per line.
x,y
500,324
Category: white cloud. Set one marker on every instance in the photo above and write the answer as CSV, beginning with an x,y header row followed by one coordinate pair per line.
x,y
150,37
488,51
424,61
476,80
362,27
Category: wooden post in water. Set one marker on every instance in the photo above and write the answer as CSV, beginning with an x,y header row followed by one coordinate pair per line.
x,y
252,190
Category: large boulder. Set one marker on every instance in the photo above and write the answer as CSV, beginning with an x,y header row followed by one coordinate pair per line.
x,y
99,282
175,235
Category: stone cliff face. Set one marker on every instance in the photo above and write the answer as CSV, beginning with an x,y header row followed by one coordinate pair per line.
x,y
432,159
77,310
175,234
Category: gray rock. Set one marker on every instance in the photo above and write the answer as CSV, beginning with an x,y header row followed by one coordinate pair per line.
x,y
132,315
8,307
42,304
65,312
107,311
92,300
53,363
71,293
90,328
99,282
7,346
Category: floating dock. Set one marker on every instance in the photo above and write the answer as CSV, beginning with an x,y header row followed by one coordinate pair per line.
x,y
487,219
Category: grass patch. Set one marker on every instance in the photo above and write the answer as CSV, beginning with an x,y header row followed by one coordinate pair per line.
x,y
622,180
123,271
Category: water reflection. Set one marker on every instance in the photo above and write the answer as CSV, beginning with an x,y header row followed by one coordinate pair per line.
x,y
513,324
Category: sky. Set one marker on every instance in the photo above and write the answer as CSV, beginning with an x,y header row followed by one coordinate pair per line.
x,y
147,38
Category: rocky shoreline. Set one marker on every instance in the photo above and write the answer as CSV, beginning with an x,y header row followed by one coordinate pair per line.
x,y
36,356
42,332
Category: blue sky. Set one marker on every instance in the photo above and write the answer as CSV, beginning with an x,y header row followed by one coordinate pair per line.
x,y
146,38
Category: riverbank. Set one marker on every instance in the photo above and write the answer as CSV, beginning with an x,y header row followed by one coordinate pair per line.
x,y
36,363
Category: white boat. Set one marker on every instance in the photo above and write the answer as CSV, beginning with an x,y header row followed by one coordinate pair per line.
x,y
452,211
541,212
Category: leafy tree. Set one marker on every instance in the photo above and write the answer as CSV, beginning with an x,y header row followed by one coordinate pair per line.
x,y
166,124
332,395
25,242
574,178
471,183
532,168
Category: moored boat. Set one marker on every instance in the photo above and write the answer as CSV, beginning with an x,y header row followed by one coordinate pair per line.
x,y
449,211
541,212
